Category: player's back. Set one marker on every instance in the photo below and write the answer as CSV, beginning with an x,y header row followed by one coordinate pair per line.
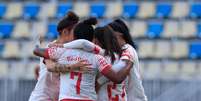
x,y
76,85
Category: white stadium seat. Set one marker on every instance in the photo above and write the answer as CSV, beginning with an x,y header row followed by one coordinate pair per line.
x,y
170,69
146,10
179,49
111,6
180,9
171,29
3,69
30,70
82,9
11,50
21,30
162,49
188,29
188,69
14,10
138,29
40,28
47,10
146,49
17,69
152,70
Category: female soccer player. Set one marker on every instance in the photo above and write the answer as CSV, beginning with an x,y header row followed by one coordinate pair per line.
x,y
135,88
47,87
85,82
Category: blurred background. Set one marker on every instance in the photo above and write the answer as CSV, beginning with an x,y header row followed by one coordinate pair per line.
x,y
167,33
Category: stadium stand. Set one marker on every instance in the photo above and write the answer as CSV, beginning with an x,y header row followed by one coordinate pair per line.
x,y
167,33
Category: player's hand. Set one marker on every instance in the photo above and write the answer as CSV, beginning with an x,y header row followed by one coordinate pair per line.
x,y
56,45
82,66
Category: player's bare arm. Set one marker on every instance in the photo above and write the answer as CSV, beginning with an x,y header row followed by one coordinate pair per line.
x,y
52,66
80,66
119,76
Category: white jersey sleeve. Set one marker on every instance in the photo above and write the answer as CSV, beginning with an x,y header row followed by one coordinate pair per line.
x,y
85,45
102,64
54,52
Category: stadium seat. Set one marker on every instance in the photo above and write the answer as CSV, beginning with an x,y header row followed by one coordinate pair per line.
x,y
171,29
27,49
12,50
179,49
30,70
18,70
188,69
138,29
14,10
146,49
130,9
153,70
51,31
170,69
3,69
40,28
163,9
98,9
48,10
22,30
3,9
111,6
199,29
6,29
82,9
194,50
195,9
62,9
180,9
188,29
31,10
154,29
162,49
146,10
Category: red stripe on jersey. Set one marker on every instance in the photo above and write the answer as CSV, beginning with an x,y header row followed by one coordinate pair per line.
x,y
105,69
46,54
109,91
129,57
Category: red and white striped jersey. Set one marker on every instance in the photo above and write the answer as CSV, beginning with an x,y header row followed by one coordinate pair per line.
x,y
111,91
76,85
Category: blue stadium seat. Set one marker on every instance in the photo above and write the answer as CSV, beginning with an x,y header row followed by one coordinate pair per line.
x,y
199,30
130,9
195,10
62,9
6,29
31,10
52,31
163,9
195,50
97,9
154,29
2,9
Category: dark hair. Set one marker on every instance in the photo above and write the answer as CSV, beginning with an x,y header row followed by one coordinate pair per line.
x,y
108,41
119,26
69,21
85,30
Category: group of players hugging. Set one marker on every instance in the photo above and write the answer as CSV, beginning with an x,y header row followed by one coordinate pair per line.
x,y
88,63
